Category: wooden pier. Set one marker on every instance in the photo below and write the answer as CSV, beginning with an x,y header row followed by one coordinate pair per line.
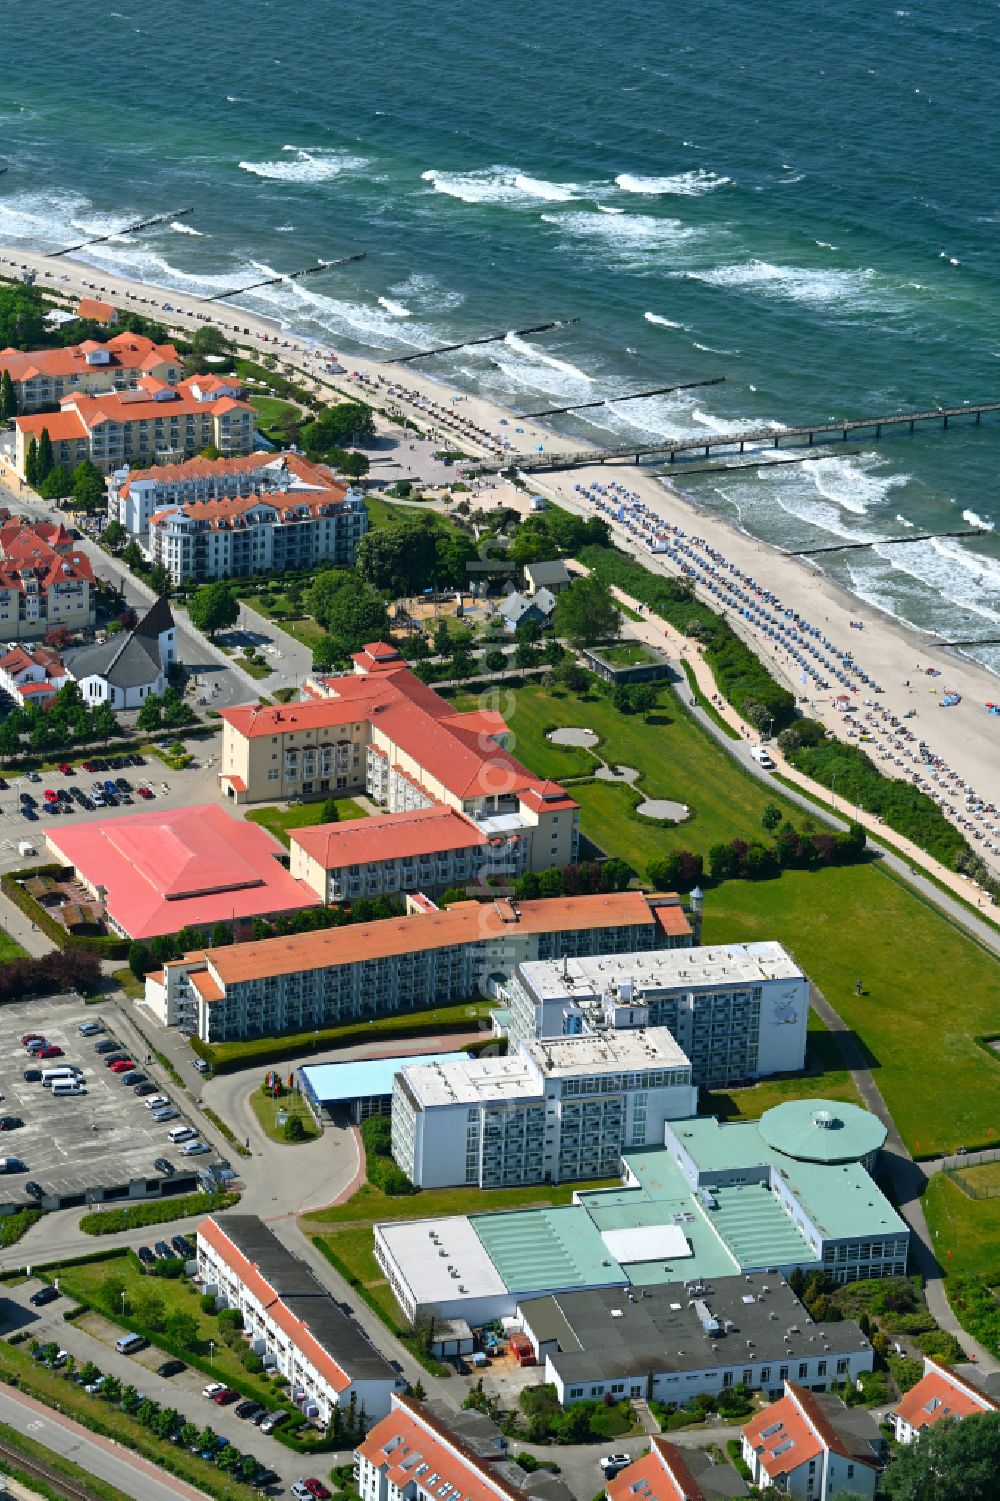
x,y
672,448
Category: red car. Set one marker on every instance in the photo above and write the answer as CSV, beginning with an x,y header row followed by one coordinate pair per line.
x,y
316,1488
49,1051
31,1037
223,1398
122,1066
145,793
50,796
89,766
65,768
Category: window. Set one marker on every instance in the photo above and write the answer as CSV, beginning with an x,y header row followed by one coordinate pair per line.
x,y
727,1378
803,1368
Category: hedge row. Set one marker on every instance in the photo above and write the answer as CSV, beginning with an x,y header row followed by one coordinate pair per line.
x,y
228,1057
154,1212
104,948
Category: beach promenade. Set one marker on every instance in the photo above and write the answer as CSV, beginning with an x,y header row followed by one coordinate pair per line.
x,y
966,738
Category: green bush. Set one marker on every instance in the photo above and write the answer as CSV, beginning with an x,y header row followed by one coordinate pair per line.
x,y
154,1212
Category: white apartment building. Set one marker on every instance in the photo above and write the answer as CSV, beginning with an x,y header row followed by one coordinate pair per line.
x,y
560,1109
134,496
739,1010
292,1321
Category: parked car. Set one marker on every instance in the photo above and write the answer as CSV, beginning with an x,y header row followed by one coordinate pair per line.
x,y
171,1368
116,1056
195,1148
32,1075
166,1114
122,1066
91,1029
212,1388
47,1294
182,1245
244,1409
30,814
49,1051
201,1065
224,1397
316,1488
612,1463
148,1088
268,1424
165,1166
132,1077
36,1191
146,794
106,1045
163,1251
10,1122
35,1045
146,1256
31,1037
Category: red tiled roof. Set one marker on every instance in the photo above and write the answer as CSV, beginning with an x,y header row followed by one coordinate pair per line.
x,y
660,1475
97,312
125,352
941,1393
410,1439
787,1431
164,870
123,406
462,923
297,1331
40,550
62,427
388,837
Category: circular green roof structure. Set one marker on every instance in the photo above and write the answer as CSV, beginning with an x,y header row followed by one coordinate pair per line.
x,y
822,1131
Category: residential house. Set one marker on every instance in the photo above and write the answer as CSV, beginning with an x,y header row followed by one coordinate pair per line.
x,y
809,1445
953,1392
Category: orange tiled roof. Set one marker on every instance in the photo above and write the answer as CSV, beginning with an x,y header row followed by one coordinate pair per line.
x,y
42,551
941,1394
790,1440
387,837
96,312
462,923
125,352
62,427
410,1445
661,1475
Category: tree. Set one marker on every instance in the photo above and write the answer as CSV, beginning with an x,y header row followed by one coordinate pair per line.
x,y
771,817
183,1329
132,556
8,400
586,611
330,811
326,654
31,463
222,935
46,462
150,715
149,1309
10,737
87,486
949,1462
294,1129
494,660
160,581
188,1436
525,655
339,427
139,960
113,535
552,652
644,699
356,615
454,550
103,722
622,699
112,1288
348,461
399,558
212,608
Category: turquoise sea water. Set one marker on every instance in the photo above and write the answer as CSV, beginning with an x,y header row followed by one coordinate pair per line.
x,y
801,197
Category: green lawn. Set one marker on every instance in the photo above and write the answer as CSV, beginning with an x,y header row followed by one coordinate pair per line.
x,y
94,1281
278,821
626,654
370,1204
968,1228
9,949
929,990
824,1078
266,1109
271,412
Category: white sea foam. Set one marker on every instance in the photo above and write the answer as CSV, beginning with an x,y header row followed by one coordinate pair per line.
x,y
284,229
608,208
712,349
498,185
186,229
631,238
969,581
665,322
394,309
306,164
792,283
979,521
532,352
682,184
853,483
903,520
427,293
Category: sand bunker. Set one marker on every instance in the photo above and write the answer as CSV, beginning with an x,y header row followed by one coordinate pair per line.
x,y
663,807
569,736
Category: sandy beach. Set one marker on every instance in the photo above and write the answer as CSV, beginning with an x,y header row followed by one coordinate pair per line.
x,y
965,737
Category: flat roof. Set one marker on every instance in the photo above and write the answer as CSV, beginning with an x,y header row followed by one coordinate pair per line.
x,y
683,1327
466,1080
661,969
632,1049
822,1130
427,1252
173,868
841,1198
647,1243
331,1083
553,1248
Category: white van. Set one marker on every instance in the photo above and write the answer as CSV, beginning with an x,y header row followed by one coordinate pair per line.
x,y
51,1076
762,758
181,1133
68,1086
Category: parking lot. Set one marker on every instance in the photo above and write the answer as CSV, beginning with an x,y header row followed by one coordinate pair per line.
x,y
77,1147
197,783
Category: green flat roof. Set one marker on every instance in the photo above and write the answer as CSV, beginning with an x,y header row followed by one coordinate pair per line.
x,y
558,1247
822,1130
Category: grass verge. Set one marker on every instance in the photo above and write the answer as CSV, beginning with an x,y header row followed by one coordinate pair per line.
x,y
965,1232
706,703
293,1106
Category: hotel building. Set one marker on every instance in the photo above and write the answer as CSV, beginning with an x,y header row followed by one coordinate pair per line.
x,y
154,422
739,1011
45,581
44,376
554,1111
372,969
